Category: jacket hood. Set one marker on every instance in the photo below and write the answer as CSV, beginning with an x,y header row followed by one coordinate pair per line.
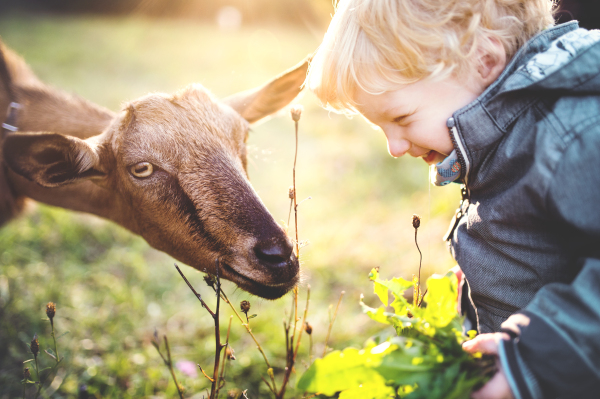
x,y
567,63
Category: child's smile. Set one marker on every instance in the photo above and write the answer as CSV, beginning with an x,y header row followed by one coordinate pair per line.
x,y
414,117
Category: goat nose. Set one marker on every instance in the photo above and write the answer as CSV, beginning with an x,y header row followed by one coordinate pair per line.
x,y
273,252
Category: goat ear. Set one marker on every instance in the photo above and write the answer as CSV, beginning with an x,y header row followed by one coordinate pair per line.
x,y
269,98
51,159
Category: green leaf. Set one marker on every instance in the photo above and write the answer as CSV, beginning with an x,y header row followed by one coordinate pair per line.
x,y
63,334
382,292
379,315
374,389
340,371
50,353
441,298
381,287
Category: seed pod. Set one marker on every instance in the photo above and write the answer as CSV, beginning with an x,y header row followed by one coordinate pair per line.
x,y
51,310
416,221
296,112
308,328
209,280
291,192
35,345
245,306
26,373
229,352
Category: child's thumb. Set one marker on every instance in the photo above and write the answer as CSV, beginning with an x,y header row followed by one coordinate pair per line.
x,y
484,343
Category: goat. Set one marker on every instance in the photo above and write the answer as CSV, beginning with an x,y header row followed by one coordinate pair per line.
x,y
171,168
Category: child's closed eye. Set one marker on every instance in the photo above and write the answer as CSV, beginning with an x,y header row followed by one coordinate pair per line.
x,y
403,120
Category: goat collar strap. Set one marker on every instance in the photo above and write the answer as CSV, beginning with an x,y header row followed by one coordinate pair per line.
x,y
10,124
11,119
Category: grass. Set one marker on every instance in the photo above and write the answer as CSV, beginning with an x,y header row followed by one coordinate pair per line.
x,y
112,290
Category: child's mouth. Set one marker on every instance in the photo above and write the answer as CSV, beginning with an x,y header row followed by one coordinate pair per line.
x,y
430,157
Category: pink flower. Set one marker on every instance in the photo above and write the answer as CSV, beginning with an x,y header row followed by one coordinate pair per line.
x,y
188,368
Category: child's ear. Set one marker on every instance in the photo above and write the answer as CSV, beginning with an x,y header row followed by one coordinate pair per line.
x,y
491,61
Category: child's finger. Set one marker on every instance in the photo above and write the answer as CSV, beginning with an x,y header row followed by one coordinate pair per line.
x,y
484,343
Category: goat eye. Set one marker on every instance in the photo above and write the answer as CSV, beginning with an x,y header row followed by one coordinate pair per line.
x,y
141,170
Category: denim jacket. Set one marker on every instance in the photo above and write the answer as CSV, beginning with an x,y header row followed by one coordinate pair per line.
x,y
527,235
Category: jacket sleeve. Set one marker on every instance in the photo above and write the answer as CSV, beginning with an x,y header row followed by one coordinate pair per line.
x,y
554,349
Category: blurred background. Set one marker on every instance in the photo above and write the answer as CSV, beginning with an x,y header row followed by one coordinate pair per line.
x,y
112,290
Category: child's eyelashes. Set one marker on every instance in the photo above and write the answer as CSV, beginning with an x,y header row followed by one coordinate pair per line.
x,y
402,120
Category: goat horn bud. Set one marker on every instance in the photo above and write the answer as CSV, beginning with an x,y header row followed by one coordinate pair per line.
x,y
296,112
416,221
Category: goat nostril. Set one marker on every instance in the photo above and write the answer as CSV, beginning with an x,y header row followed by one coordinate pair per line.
x,y
273,252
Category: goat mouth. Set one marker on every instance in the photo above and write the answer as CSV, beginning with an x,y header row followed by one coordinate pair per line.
x,y
267,291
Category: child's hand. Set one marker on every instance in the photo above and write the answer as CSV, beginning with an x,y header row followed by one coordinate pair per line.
x,y
497,387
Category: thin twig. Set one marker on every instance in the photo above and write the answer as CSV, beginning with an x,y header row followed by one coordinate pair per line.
x,y
170,364
295,196
54,338
303,321
221,383
292,352
331,322
260,349
195,292
419,297
206,375
218,345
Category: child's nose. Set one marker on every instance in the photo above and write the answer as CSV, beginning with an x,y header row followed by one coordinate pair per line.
x,y
398,147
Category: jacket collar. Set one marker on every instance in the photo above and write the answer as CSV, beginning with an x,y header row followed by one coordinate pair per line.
x,y
486,119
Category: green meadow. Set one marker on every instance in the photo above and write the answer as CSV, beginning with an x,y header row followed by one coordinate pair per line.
x,y
112,290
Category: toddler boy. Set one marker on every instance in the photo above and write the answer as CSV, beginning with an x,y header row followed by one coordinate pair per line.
x,y
504,102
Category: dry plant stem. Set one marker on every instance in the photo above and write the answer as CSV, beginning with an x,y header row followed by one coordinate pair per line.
x,y
222,375
291,352
303,321
290,348
224,297
215,316
331,322
37,372
54,338
420,262
218,345
170,364
310,356
295,196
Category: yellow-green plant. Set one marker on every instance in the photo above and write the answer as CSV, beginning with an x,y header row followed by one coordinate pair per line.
x,y
424,359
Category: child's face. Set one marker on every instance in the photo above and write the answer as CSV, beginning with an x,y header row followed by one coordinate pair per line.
x,y
414,117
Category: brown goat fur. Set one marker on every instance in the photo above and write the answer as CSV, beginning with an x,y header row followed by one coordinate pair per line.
x,y
171,168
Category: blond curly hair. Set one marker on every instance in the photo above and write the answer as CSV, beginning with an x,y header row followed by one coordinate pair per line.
x,y
380,45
